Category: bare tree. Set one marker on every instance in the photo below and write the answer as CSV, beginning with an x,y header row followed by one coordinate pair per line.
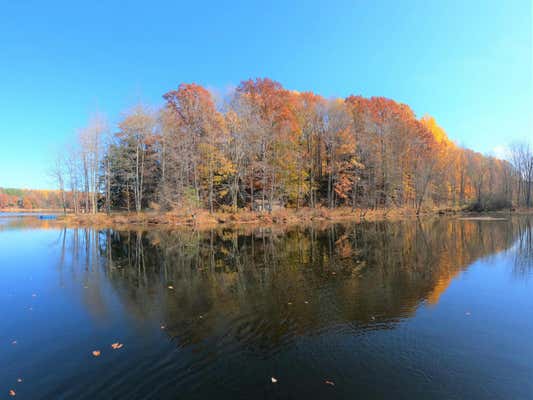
x,y
91,150
58,173
522,159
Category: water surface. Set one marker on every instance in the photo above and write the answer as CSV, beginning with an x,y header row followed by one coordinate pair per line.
x,y
438,309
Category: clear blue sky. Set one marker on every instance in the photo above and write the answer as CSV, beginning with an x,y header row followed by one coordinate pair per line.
x,y
466,62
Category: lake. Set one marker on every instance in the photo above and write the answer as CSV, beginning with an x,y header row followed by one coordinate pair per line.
x,y
430,309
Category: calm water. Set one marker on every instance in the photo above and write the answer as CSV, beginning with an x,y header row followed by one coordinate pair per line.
x,y
439,309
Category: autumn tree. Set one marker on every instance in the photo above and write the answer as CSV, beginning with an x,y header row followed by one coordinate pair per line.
x,y
193,136
271,123
268,147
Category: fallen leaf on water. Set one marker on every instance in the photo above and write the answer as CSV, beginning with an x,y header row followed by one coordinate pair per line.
x,y
96,353
117,345
12,393
330,383
19,380
171,287
274,380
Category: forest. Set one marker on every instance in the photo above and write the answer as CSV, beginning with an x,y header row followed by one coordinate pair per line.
x,y
27,199
263,147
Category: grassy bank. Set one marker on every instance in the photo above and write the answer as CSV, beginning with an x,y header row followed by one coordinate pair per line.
x,y
203,219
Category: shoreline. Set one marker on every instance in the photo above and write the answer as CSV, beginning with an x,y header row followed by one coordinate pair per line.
x,y
202,220
287,217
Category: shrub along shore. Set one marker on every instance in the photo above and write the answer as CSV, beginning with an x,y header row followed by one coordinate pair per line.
x,y
201,219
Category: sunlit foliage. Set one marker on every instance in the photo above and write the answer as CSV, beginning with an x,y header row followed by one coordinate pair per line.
x,y
264,147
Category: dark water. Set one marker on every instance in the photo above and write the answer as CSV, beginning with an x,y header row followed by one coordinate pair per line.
x,y
439,309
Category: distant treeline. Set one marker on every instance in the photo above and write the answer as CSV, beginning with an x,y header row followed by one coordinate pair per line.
x,y
263,147
31,199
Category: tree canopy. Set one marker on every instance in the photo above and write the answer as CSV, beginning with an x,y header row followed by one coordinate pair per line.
x,y
264,147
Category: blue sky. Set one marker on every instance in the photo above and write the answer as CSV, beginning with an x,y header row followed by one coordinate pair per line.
x,y
468,63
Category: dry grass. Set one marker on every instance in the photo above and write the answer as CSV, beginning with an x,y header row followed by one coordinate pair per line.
x,y
202,219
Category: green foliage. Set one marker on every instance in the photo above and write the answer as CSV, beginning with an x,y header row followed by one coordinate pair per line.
x,y
497,203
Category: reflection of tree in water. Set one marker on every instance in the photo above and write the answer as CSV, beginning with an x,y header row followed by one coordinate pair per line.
x,y
524,247
263,287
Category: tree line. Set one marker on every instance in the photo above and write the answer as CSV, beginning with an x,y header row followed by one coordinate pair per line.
x,y
264,147
32,199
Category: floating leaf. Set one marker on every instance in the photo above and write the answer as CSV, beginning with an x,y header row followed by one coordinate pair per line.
x,y
19,380
96,353
330,383
171,287
12,393
117,345
274,380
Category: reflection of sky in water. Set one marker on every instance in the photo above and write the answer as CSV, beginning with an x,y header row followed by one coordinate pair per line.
x,y
412,310
24,220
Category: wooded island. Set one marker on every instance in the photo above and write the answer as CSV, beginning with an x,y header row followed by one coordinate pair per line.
x,y
265,148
